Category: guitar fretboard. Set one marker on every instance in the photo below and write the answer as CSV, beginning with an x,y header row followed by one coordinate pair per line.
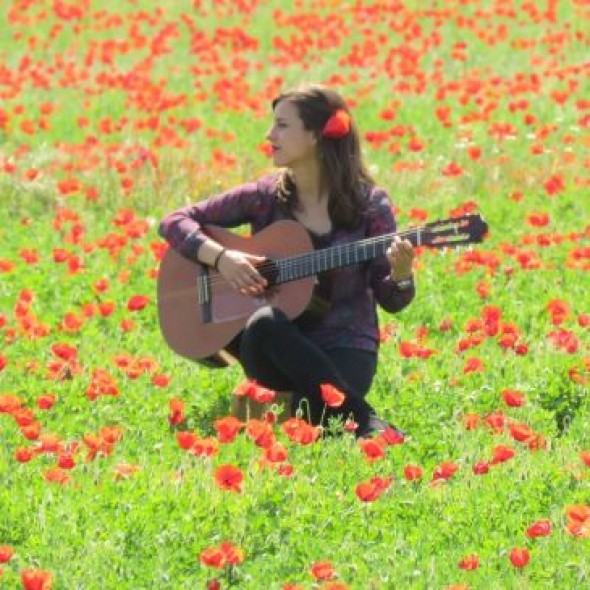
x,y
305,265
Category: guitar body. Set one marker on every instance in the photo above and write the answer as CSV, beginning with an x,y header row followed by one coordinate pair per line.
x,y
200,330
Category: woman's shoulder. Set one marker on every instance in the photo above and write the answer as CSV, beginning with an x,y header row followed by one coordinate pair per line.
x,y
376,193
377,199
267,184
379,213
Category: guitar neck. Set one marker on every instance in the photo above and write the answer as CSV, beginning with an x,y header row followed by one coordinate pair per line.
x,y
305,265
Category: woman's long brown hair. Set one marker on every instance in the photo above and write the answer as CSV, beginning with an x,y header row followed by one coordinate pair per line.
x,y
344,174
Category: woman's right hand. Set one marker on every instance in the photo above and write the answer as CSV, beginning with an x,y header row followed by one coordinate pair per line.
x,y
239,270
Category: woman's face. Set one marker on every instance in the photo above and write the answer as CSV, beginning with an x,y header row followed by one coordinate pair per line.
x,y
292,144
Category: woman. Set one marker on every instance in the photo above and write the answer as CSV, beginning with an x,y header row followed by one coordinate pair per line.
x,y
323,184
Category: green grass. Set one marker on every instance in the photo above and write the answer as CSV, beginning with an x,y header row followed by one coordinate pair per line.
x,y
148,530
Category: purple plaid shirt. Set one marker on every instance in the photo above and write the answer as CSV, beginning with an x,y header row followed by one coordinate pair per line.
x,y
351,320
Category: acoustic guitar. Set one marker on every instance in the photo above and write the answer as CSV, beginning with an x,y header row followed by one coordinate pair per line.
x,y
199,313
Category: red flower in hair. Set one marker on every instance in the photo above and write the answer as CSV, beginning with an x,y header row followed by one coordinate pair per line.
x,y
338,125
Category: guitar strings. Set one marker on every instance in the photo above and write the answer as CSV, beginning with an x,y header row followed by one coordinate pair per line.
x,y
300,261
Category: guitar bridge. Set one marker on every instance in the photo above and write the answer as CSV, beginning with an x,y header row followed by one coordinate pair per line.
x,y
204,294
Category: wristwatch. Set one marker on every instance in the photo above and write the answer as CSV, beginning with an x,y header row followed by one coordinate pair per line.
x,y
404,284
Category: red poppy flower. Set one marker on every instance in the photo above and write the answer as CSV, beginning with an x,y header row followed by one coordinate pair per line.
x,y
331,395
286,470
338,125
6,266
391,437
24,455
276,453
501,454
541,528
56,475
176,415
513,398
496,421
559,310
6,553
36,579
49,443
564,340
578,521
452,169
251,389
538,219
473,365
418,214
161,380
46,402
322,570
536,441
233,555
262,395
412,472
350,426
445,470
260,432
481,468
471,562
186,439
66,461
474,152
137,302
31,431
520,431
554,185
64,351
24,417
373,448
471,421
227,428
111,434
106,308
229,477
9,403
371,490
205,447
213,557
299,431
519,557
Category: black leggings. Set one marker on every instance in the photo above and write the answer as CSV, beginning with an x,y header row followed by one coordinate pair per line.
x,y
274,352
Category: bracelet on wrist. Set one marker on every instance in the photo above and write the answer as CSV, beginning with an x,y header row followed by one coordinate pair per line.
x,y
218,258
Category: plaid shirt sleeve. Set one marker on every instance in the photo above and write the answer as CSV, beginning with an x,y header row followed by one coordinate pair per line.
x,y
182,228
382,221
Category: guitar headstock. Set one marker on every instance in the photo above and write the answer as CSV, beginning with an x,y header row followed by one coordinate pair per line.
x,y
464,229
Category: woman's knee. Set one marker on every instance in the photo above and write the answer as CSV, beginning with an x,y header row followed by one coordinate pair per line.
x,y
264,321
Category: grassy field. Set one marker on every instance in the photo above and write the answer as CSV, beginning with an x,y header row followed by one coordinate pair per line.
x,y
116,468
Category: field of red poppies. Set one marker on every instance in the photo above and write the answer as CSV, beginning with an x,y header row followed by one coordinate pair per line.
x,y
121,466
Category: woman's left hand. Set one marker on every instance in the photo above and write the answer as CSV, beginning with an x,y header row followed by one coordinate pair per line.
x,y
401,257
